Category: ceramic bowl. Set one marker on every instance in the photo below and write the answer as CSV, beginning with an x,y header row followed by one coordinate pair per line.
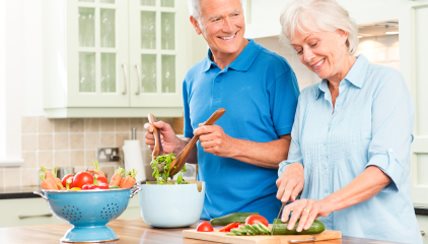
x,y
171,205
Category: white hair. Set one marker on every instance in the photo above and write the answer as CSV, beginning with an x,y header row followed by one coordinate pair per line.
x,y
194,8
307,16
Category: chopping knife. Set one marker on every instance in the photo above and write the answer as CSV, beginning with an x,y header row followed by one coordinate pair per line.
x,y
277,218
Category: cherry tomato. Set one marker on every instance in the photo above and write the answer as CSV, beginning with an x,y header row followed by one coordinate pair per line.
x,y
65,178
101,179
256,218
230,226
82,178
205,226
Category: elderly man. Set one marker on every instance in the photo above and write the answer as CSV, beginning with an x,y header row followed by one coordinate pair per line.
x,y
238,157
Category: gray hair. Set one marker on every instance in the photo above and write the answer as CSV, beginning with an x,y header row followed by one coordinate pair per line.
x,y
318,15
194,8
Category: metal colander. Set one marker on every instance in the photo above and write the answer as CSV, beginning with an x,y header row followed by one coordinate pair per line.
x,y
88,211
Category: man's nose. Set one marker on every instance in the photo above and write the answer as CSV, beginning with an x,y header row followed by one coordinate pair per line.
x,y
227,24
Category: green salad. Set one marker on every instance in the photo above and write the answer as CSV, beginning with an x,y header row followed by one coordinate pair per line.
x,y
161,166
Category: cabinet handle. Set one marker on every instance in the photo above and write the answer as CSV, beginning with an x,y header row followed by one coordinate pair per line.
x,y
137,69
125,79
47,215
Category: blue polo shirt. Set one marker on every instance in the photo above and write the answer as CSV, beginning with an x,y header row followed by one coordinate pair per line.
x,y
259,92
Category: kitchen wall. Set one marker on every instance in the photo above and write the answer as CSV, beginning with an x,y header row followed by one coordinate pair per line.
x,y
378,49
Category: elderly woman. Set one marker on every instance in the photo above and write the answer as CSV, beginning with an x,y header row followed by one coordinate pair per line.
x,y
350,150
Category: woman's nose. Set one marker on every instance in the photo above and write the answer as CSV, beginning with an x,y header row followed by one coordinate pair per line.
x,y
308,55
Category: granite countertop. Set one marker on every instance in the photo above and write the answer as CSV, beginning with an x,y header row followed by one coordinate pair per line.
x,y
27,192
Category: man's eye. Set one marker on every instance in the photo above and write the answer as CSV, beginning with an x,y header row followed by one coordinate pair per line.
x,y
216,20
313,44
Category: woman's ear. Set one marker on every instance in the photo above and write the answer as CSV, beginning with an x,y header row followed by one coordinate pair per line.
x,y
195,24
343,35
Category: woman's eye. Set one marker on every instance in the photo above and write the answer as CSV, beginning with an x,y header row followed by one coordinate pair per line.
x,y
313,44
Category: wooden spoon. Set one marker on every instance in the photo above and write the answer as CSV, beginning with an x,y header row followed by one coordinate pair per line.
x,y
156,133
179,161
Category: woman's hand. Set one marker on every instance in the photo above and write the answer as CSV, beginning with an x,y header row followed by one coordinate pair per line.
x,y
305,211
170,141
290,183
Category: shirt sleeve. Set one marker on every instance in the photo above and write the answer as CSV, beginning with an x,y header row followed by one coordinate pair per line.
x,y
294,152
283,100
187,130
392,120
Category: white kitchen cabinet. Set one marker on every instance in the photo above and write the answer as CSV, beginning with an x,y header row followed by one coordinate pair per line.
x,y
26,211
36,211
423,224
413,54
115,58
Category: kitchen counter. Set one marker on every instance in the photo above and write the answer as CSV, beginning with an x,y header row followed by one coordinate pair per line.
x,y
27,192
129,232
18,192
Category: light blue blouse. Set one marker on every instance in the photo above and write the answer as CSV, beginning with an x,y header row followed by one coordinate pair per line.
x,y
371,124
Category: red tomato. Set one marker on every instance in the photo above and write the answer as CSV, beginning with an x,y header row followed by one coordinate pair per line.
x,y
205,226
230,226
82,178
94,187
65,178
102,179
256,218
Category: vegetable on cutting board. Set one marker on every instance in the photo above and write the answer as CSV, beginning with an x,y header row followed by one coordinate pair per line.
x,y
230,218
280,228
205,226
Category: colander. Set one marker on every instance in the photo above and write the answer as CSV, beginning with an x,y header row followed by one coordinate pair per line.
x,y
88,211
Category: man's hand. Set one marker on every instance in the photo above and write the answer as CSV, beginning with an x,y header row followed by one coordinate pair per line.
x,y
169,140
214,140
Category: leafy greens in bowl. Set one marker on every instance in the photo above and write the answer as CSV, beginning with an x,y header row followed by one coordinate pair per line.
x,y
161,167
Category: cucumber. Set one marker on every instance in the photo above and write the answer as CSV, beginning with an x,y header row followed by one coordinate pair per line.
x,y
230,218
263,229
280,228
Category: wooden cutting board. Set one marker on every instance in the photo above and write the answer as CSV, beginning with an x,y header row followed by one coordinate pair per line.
x,y
285,239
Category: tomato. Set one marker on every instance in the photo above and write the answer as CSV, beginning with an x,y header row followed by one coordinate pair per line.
x,y
82,178
205,226
68,178
101,179
256,218
230,226
94,187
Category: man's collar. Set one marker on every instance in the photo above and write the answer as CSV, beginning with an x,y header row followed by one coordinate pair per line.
x,y
241,63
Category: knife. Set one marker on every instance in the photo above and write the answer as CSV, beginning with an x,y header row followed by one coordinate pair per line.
x,y
277,217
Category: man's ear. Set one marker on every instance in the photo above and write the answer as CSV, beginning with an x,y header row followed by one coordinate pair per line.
x,y
195,24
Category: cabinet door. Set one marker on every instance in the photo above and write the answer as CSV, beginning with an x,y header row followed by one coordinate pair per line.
x,y
98,49
413,53
155,53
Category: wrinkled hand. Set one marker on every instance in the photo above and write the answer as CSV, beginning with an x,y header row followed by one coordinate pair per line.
x,y
214,140
169,139
305,211
290,183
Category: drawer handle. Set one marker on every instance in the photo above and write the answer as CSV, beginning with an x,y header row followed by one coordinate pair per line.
x,y
47,215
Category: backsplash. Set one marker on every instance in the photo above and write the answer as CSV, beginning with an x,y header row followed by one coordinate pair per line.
x,y
70,142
